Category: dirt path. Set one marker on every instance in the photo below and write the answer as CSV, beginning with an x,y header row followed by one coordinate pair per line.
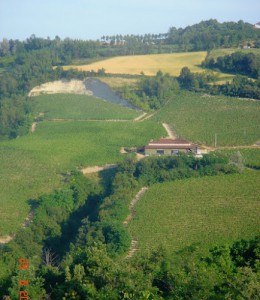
x,y
134,242
133,248
95,169
143,117
33,128
34,124
88,120
140,117
147,117
170,132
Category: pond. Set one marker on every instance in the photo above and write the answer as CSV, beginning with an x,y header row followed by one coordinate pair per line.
x,y
103,91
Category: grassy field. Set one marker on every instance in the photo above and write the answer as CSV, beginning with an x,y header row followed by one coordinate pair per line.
x,y
199,117
79,107
118,82
204,211
149,64
34,164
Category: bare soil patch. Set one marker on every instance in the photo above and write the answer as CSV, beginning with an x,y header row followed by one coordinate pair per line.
x,y
61,87
122,150
6,239
33,128
96,169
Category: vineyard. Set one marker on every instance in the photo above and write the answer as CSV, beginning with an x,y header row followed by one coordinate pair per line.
x,y
202,211
79,107
213,120
37,163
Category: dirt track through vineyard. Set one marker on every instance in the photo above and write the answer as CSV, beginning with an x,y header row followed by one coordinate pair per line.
x,y
134,242
170,132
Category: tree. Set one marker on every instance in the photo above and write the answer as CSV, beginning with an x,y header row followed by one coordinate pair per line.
x,y
187,79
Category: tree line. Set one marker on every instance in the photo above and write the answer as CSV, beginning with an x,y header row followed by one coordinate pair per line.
x,y
240,86
205,35
211,34
150,93
247,64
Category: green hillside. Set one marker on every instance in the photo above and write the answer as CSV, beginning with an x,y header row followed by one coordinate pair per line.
x,y
198,117
34,164
204,211
79,107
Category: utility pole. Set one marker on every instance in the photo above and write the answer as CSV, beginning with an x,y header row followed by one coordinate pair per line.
x,y
216,136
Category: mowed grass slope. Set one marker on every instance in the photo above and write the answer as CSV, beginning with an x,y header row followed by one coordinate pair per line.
x,y
204,211
198,118
34,164
148,64
79,107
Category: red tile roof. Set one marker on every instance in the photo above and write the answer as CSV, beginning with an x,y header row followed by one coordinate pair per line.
x,y
169,144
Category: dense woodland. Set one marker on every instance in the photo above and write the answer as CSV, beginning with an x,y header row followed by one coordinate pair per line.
x,y
211,34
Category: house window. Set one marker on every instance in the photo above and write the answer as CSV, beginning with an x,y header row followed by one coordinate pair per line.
x,y
175,152
160,152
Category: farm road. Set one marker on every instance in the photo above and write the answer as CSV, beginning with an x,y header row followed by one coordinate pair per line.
x,y
170,132
133,247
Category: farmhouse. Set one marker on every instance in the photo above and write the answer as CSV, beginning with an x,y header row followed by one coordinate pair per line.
x,y
169,147
257,25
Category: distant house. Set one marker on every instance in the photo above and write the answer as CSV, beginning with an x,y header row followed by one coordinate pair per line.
x,y
170,147
257,25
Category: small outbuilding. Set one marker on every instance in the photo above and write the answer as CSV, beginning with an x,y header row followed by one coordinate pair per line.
x,y
257,25
169,147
